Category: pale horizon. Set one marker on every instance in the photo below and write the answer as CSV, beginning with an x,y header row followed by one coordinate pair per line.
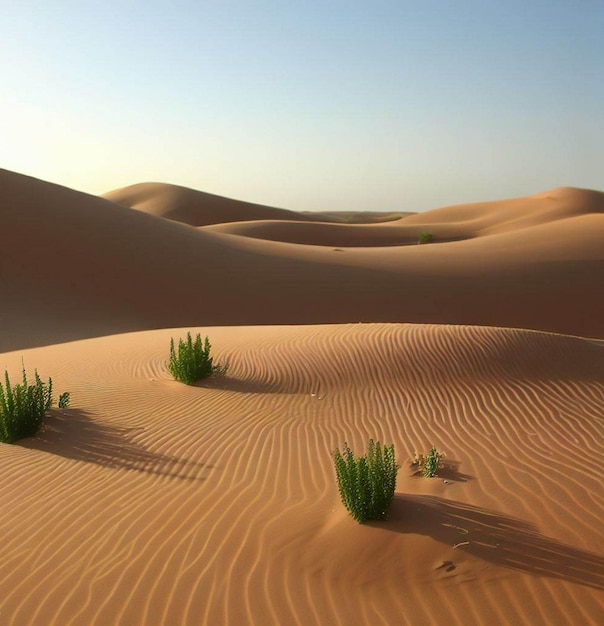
x,y
396,107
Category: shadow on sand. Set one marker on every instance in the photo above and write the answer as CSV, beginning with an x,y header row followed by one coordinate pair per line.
x,y
277,386
236,385
75,434
496,538
449,471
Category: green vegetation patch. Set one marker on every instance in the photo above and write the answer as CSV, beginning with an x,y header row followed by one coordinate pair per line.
x,y
191,360
425,237
366,483
23,406
429,464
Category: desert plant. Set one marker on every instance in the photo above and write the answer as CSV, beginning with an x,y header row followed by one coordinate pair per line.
x,y
425,237
192,361
429,464
366,483
64,400
23,406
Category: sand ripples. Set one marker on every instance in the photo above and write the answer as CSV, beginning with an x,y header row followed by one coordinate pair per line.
x,y
150,502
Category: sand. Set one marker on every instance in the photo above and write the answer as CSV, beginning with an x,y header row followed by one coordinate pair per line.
x,y
193,207
150,502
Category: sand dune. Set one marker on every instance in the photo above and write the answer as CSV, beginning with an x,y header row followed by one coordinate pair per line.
x,y
518,215
514,214
196,208
77,266
321,234
149,502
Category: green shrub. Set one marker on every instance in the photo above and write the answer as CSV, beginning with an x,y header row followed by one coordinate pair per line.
x,y
425,237
22,407
429,464
192,361
367,483
64,400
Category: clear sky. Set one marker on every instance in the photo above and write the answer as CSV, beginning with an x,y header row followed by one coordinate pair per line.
x,y
309,104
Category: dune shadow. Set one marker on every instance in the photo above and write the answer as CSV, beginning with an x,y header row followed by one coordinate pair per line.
x,y
76,435
449,471
237,385
496,538
275,386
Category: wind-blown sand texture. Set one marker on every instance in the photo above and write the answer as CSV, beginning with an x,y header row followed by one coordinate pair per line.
x,y
149,502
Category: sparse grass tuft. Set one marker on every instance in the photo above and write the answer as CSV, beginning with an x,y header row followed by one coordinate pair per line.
x,y
192,361
425,237
429,464
366,483
23,407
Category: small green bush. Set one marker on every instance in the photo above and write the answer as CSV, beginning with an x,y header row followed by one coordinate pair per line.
x,y
429,464
23,406
425,237
64,400
192,361
367,483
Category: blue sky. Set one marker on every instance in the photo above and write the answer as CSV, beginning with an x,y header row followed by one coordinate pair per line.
x,y
339,105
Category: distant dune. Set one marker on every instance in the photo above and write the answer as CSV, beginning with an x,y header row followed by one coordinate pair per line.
x,y
152,503
77,266
447,224
192,207
198,208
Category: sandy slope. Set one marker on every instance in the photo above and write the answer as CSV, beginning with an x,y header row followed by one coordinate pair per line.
x,y
149,502
196,208
199,208
460,222
76,266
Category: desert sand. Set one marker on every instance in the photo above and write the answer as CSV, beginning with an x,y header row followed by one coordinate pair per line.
x,y
150,502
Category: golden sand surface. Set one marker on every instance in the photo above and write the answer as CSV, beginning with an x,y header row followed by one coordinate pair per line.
x,y
149,502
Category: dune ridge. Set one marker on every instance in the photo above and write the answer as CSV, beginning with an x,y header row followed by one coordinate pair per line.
x,y
94,268
158,503
199,208
453,223
192,207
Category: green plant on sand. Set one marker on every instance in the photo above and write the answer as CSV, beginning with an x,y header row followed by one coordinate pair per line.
x,y
23,406
425,237
64,400
366,483
191,361
430,463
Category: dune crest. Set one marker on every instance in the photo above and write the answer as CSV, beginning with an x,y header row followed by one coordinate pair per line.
x,y
485,218
196,208
199,208
543,211
93,267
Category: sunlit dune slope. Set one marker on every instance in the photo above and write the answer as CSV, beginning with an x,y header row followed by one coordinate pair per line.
x,y
149,502
77,266
196,208
447,224
486,218
357,217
